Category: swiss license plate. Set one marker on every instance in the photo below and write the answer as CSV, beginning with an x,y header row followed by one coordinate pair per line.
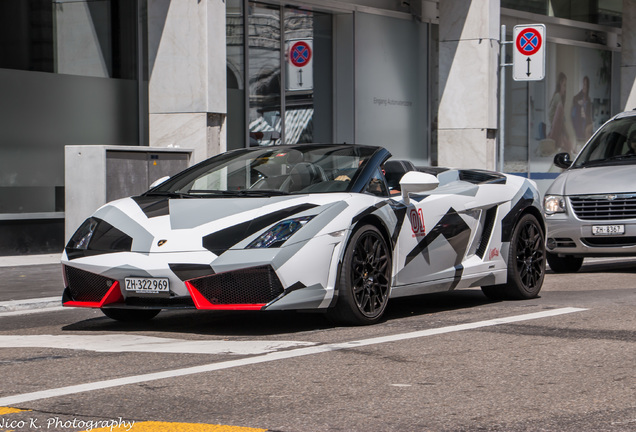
x,y
147,285
608,229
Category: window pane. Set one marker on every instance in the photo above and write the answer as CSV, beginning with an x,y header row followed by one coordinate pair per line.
x,y
308,74
264,75
26,35
235,74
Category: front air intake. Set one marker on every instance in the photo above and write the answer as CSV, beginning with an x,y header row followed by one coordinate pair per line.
x,y
86,287
251,286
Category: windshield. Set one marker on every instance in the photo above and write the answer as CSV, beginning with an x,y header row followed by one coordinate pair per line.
x,y
615,143
271,171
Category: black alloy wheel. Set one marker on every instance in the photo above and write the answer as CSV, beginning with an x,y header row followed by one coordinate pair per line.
x,y
365,279
526,263
530,256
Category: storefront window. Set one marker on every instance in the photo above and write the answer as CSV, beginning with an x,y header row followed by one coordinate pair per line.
x,y
235,40
288,59
88,38
308,62
265,108
559,113
577,102
58,61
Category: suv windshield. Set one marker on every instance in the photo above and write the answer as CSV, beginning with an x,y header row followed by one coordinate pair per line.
x,y
615,143
270,171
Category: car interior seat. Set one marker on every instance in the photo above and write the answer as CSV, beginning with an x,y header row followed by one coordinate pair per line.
x,y
394,170
303,175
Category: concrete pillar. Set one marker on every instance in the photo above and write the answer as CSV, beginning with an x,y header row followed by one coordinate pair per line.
x,y
628,56
187,88
468,68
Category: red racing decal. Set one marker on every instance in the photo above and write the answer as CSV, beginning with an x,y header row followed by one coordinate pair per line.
x,y
493,253
417,223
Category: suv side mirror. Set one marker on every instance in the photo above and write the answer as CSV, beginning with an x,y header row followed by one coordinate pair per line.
x,y
562,160
416,182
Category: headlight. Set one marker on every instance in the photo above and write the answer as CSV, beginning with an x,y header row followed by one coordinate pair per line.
x,y
83,235
279,233
553,204
98,235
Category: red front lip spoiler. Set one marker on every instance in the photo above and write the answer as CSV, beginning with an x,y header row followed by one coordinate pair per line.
x,y
200,302
112,296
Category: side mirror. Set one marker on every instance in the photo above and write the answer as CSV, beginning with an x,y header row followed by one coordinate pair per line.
x,y
416,182
159,181
562,160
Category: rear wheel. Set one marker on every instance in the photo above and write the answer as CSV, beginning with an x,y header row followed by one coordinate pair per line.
x,y
526,263
364,280
131,315
564,264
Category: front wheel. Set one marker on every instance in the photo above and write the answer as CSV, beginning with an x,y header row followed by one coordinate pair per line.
x,y
526,263
365,279
131,315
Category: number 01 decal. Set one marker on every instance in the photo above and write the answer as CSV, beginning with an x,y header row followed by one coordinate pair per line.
x,y
417,223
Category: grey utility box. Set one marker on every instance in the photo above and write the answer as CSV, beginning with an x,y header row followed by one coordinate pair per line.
x,y
95,175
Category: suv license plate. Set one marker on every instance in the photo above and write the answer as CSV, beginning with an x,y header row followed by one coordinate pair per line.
x,y
147,285
608,229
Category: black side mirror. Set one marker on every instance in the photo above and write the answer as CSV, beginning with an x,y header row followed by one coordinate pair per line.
x,y
562,160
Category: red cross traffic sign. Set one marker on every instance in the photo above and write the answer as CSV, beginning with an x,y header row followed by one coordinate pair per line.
x,y
528,58
300,70
300,54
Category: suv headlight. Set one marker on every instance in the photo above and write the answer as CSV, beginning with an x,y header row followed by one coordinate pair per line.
x,y
553,204
279,233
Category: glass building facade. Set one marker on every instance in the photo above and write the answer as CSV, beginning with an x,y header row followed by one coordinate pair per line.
x,y
76,72
69,74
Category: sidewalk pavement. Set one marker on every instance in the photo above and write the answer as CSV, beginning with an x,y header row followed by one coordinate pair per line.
x,y
30,282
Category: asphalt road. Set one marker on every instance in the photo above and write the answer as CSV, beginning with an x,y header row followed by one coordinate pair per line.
x,y
454,362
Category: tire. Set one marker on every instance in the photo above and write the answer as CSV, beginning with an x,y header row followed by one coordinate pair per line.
x,y
526,263
564,264
131,315
364,281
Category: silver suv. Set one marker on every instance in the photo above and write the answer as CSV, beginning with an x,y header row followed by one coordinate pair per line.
x,y
590,209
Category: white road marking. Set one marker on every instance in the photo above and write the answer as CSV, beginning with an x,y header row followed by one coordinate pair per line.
x,y
137,343
298,352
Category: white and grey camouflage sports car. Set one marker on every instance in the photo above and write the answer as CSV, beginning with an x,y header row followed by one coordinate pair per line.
x,y
340,228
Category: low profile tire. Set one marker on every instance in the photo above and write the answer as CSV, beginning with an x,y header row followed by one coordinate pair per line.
x,y
131,315
365,279
526,263
564,264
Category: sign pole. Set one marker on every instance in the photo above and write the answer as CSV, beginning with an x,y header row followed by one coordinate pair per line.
x,y
502,95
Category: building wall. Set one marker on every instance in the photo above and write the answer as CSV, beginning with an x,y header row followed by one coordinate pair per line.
x,y
186,75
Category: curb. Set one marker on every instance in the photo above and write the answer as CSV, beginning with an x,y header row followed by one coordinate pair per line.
x,y
26,260
30,304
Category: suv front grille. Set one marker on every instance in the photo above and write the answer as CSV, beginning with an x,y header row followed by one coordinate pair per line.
x,y
604,207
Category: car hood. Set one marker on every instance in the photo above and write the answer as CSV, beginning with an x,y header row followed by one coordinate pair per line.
x,y
160,224
595,180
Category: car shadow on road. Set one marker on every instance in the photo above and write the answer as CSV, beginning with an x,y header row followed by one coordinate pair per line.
x,y
627,266
609,267
269,323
